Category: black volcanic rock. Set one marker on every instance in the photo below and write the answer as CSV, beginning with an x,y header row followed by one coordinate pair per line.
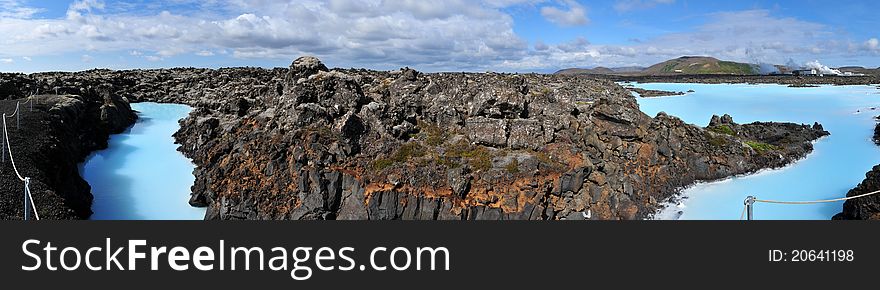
x,y
312,143
864,208
56,134
360,144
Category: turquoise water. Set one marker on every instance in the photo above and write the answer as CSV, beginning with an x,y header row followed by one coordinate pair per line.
x,y
838,163
141,176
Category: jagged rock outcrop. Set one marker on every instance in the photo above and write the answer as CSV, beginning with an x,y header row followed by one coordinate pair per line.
x,y
308,142
359,144
865,208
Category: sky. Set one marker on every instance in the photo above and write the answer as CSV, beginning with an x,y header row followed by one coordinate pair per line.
x,y
452,35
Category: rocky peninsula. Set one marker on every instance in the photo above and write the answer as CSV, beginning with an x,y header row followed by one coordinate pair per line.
x,y
308,142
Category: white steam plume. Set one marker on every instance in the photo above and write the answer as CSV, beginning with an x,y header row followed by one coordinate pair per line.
x,y
822,69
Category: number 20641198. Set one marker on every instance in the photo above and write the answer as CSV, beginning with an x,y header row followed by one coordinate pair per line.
x,y
811,256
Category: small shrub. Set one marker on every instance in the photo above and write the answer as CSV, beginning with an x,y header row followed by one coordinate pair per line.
x,y
382,163
478,157
513,166
761,147
718,141
433,134
722,129
403,154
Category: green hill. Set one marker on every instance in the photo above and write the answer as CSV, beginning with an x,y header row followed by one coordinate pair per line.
x,y
586,71
699,65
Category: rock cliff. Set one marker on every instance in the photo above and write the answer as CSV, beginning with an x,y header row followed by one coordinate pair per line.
x,y
55,134
360,144
308,142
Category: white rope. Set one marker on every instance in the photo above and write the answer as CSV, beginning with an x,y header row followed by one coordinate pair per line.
x,y
9,148
818,201
16,110
27,189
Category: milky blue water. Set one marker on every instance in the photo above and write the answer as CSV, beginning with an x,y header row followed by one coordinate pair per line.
x,y
141,175
838,163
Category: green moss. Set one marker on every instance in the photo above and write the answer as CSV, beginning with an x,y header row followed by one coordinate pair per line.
x,y
718,141
432,134
478,157
403,154
382,163
761,147
513,166
722,129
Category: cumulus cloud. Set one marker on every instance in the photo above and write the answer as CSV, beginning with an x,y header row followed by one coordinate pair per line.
x,y
386,34
747,36
16,9
630,5
457,34
571,14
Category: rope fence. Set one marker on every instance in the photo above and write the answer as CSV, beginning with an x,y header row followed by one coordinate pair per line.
x,y
751,200
7,148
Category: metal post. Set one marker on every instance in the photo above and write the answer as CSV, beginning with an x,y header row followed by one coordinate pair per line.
x,y
750,202
27,203
3,136
17,115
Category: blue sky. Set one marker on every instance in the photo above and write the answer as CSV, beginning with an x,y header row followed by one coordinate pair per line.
x,y
453,35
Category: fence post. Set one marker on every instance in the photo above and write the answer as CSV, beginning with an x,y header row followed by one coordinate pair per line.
x,y
3,136
750,203
27,202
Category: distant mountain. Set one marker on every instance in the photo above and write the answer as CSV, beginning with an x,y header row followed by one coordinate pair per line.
x,y
699,65
628,69
860,70
681,65
586,71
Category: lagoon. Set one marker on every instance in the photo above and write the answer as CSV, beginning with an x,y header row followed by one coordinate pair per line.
x,y
838,163
141,175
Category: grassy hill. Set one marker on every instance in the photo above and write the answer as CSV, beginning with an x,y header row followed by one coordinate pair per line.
x,y
699,65
586,71
681,65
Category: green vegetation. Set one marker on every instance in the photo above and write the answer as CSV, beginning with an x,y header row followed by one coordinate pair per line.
x,y
432,134
478,157
669,67
722,129
700,65
730,67
404,153
718,141
761,147
513,166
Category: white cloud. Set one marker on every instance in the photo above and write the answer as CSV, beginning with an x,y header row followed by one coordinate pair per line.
x,y
873,44
27,58
386,34
6,60
630,5
86,58
456,34
16,9
574,16
769,39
